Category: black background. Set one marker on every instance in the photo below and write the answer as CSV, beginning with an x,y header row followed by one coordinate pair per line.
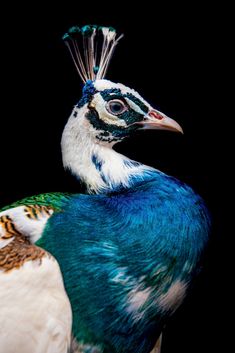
x,y
173,57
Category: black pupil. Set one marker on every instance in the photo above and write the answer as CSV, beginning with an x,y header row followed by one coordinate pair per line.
x,y
116,107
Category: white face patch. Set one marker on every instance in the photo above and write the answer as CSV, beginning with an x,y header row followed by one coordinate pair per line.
x,y
101,85
134,106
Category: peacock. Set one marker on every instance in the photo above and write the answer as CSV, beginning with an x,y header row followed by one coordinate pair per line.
x,y
100,271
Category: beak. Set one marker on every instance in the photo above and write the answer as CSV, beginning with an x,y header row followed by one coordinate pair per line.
x,y
159,121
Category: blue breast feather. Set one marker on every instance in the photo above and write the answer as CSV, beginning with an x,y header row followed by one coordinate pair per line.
x,y
144,238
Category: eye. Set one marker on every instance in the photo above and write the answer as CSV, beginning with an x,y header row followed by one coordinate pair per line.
x,y
116,107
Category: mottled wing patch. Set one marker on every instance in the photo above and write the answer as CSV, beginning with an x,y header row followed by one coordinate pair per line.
x,y
38,212
17,248
28,220
7,227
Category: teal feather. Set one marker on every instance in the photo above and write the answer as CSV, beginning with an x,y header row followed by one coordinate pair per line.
x,y
52,199
149,237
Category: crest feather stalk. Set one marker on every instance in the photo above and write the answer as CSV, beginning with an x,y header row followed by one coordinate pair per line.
x,y
91,48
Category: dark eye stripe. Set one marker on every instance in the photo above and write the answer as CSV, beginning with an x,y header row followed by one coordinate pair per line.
x,y
115,93
137,101
105,129
112,93
109,97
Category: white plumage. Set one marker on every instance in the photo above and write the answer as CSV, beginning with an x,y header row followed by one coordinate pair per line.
x,y
35,313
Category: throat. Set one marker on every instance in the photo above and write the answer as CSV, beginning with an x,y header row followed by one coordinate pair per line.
x,y
115,171
102,169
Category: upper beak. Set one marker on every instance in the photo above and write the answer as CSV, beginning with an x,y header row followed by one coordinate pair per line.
x,y
157,120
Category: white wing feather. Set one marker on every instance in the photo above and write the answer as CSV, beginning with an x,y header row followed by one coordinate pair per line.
x,y
35,312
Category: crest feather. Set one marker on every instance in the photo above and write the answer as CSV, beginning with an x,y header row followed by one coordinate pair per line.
x,y
91,48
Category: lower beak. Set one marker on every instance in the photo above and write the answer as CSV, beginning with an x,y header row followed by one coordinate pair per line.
x,y
159,121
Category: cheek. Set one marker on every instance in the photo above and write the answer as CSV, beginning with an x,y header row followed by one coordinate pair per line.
x,y
131,117
112,120
123,133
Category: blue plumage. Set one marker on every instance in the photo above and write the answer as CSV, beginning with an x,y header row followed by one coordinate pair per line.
x,y
140,241
87,93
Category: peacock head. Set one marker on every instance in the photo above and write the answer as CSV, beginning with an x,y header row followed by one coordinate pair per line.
x,y
115,111
107,111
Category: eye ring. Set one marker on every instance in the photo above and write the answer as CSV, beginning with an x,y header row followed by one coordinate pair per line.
x,y
116,107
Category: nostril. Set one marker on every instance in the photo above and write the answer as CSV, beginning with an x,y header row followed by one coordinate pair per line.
x,y
156,115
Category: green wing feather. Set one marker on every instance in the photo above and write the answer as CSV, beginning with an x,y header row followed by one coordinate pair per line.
x,y
53,199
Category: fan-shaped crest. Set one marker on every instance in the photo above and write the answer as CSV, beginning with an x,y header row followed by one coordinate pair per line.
x,y
91,48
